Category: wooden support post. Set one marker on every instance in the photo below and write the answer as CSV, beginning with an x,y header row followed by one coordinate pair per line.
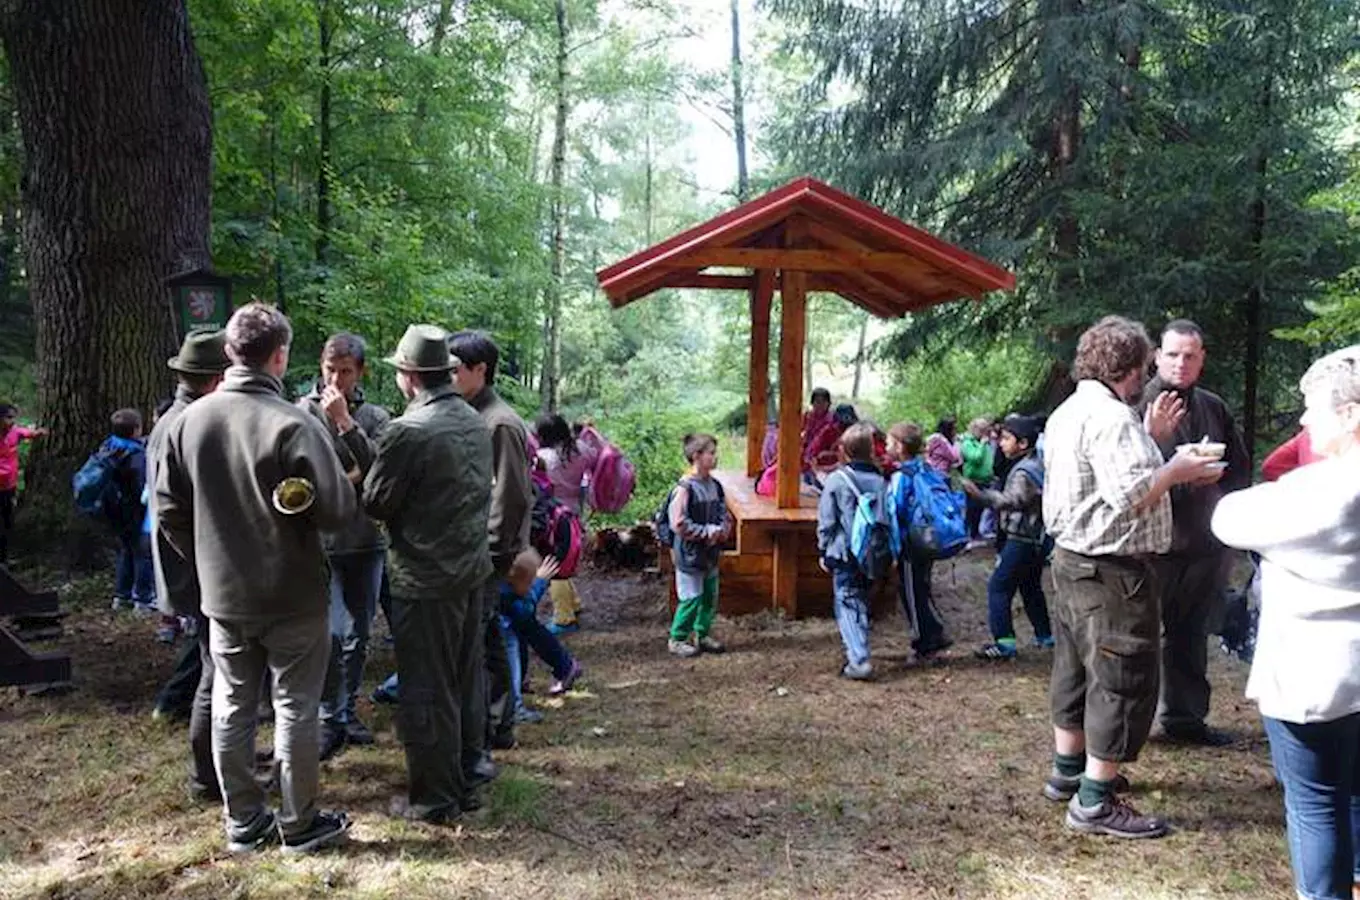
x,y
784,581
758,404
792,336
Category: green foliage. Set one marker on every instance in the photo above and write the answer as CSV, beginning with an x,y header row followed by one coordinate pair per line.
x,y
964,383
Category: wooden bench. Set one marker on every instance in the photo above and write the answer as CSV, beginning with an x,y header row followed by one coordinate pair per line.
x,y
772,563
18,664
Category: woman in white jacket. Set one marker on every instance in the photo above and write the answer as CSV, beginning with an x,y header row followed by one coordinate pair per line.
x,y
1306,673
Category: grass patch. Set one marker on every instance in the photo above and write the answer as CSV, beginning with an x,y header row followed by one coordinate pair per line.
x,y
659,777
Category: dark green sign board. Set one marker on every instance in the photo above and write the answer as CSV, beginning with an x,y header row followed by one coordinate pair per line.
x,y
202,300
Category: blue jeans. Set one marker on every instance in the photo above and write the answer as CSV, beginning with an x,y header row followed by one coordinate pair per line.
x,y
522,631
356,579
1319,766
1019,565
135,579
852,610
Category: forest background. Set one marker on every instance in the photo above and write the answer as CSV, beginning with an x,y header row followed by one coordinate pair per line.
x,y
471,163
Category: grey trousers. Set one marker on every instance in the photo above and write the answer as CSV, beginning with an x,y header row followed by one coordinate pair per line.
x,y
1192,596
294,652
436,644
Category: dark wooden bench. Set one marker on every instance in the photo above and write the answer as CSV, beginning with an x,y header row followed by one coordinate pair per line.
x,y
33,612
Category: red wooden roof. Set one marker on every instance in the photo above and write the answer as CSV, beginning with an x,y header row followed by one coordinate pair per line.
x,y
847,246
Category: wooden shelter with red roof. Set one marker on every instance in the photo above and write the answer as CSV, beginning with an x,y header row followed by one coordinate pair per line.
x,y
805,236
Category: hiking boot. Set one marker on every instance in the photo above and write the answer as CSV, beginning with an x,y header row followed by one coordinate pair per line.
x,y
563,684
711,645
327,828
682,649
357,733
1115,817
332,741
858,671
260,833
996,651
1061,788
1194,736
525,716
484,771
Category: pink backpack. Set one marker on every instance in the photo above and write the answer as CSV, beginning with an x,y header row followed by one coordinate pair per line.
x,y
556,531
613,478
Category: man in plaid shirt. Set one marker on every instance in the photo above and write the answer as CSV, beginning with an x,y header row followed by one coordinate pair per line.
x,y
1106,504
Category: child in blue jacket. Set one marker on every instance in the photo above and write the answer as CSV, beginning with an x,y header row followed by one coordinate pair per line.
x,y
135,581
520,594
835,522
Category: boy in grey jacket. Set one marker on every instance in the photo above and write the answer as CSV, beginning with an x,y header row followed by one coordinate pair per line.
x,y
835,521
1020,564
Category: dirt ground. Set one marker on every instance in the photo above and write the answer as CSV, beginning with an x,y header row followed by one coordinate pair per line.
x,y
758,773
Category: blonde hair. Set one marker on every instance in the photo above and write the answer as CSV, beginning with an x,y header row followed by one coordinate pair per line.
x,y
526,563
1338,373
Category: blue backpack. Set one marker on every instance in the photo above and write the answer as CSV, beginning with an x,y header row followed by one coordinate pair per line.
x,y
871,532
927,516
96,484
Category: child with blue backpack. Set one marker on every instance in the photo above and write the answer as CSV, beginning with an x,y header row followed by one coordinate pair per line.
x,y
915,565
847,514
124,509
695,525
1020,564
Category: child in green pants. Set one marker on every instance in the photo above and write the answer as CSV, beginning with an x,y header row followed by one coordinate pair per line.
x,y
700,524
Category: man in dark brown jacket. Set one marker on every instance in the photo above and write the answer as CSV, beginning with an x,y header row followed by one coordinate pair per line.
x,y
261,572
512,502
355,552
431,484
1193,573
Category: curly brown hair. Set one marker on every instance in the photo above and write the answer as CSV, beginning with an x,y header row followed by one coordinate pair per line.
x,y
1111,349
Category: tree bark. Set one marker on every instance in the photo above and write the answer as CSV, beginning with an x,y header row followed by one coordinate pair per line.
x,y
117,135
859,354
552,331
323,127
1255,299
739,106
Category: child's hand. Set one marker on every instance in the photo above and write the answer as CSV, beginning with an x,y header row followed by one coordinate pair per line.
x,y
548,568
969,488
821,564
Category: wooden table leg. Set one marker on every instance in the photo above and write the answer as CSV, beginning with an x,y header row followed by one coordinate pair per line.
x,y
784,594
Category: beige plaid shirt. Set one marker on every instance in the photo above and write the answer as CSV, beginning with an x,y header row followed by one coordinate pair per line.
x,y
1098,464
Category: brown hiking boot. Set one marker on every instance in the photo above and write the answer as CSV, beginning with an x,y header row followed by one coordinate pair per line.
x,y
1115,817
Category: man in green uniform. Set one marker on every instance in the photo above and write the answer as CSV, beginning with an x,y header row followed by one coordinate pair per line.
x,y
431,484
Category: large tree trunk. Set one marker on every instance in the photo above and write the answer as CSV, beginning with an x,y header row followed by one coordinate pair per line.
x,y
738,106
1256,225
552,328
117,135
859,354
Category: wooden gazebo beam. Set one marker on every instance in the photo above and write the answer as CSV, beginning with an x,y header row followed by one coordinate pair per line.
x,y
758,391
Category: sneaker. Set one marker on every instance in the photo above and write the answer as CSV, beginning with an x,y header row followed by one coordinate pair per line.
x,y
358,734
143,609
996,651
383,696
188,625
484,771
526,716
120,603
262,832
166,634
562,685
564,628
205,794
332,741
1061,788
858,671
1043,643
1195,736
711,645
682,649
1115,817
327,828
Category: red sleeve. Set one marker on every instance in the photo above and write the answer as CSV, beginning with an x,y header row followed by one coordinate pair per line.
x,y
1284,458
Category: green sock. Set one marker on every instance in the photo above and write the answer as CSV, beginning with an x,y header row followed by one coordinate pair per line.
x,y
1092,792
1006,643
1069,765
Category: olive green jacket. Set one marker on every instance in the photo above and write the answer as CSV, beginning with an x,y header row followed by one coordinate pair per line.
x,y
431,484
512,493
215,479
355,450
